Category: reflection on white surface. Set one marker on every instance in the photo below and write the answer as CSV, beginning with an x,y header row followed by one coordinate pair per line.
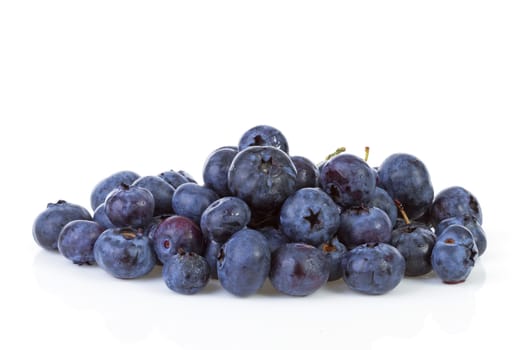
x,y
139,310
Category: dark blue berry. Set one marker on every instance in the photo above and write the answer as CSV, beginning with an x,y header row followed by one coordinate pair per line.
x,y
309,216
307,172
224,217
364,225
174,233
124,253
104,187
299,269
244,262
406,179
455,202
471,223
216,166
190,200
130,206
77,239
263,135
383,201
173,178
161,190
373,268
49,223
415,243
454,254
348,180
186,273
262,176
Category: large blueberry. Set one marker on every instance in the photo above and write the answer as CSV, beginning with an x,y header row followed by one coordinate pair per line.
x,y
349,180
262,176
49,223
364,225
244,262
105,186
174,233
263,135
299,269
454,254
406,179
77,239
383,201
224,217
130,206
373,268
190,200
472,224
415,243
307,172
455,202
215,172
161,190
309,216
124,253
174,178
186,273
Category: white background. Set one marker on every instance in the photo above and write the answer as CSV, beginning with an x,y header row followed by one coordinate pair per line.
x,y
88,88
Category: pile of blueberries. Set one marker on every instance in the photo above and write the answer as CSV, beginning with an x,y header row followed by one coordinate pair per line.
x,y
264,214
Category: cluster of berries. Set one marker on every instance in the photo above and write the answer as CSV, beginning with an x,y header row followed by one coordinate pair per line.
x,y
262,213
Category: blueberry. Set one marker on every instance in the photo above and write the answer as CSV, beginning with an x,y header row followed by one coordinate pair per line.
x,y
244,262
383,201
274,237
161,190
211,255
309,216
472,224
373,268
215,173
262,176
348,180
458,233
173,178
124,253
455,202
190,200
49,223
186,273
130,206
364,225
76,241
307,172
101,218
263,135
298,269
334,252
104,187
187,176
224,217
454,254
174,233
415,243
406,179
